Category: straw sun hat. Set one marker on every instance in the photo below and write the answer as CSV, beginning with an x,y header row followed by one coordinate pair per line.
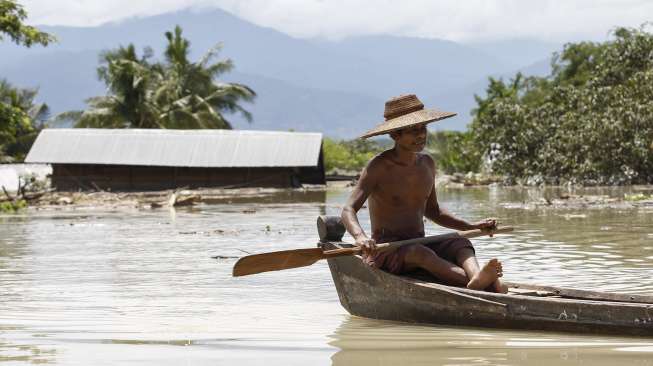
x,y
405,111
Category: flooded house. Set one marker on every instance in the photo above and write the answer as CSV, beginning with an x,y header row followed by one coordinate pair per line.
x,y
152,159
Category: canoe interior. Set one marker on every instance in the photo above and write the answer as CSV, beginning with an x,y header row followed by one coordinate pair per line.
x,y
523,289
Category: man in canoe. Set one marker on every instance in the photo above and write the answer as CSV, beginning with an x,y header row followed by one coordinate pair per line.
x,y
400,186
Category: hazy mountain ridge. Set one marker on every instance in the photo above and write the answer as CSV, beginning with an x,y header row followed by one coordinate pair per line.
x,y
334,87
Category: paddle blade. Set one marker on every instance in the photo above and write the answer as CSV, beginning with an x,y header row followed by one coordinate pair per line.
x,y
275,261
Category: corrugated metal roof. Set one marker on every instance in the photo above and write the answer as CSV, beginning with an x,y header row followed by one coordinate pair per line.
x,y
183,148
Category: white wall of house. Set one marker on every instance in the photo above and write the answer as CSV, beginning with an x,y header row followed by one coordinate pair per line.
x,y
9,174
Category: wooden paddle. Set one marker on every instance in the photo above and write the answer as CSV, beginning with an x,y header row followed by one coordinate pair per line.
x,y
286,259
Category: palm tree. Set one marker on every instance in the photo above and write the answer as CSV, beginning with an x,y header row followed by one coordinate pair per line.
x,y
24,99
190,95
130,80
175,94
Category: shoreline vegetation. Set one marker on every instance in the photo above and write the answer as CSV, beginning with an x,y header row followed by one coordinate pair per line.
x,y
557,198
588,123
345,159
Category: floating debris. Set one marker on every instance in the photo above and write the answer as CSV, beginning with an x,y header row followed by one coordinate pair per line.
x,y
147,200
476,179
64,201
223,257
574,216
571,201
216,231
637,197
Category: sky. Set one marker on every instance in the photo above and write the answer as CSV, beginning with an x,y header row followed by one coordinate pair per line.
x,y
455,20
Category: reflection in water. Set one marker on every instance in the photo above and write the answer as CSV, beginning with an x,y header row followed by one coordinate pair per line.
x,y
18,353
143,287
24,352
372,342
11,244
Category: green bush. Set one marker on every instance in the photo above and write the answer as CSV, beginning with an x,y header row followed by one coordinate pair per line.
x,y
21,120
350,155
12,207
589,122
454,151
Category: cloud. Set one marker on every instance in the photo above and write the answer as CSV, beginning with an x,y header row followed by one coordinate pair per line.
x,y
96,12
468,20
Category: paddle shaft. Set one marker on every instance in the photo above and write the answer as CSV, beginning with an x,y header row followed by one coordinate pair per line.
x,y
285,259
425,240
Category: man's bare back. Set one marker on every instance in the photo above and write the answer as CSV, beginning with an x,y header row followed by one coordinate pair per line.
x,y
399,185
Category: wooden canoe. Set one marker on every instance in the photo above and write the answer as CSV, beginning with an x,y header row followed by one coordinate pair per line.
x,y
368,292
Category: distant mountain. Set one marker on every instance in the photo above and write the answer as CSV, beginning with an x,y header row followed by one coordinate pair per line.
x,y
64,78
310,85
283,106
517,53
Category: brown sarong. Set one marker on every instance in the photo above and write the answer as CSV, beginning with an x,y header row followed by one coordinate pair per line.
x,y
393,261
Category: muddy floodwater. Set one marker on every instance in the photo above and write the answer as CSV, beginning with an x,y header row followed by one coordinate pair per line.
x,y
102,287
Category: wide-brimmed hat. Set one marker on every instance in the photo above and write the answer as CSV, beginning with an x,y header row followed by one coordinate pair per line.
x,y
405,111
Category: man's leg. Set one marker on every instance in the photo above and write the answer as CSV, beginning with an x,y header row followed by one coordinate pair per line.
x,y
419,256
481,278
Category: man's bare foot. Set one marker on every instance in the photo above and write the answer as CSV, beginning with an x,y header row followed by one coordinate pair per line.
x,y
500,287
489,274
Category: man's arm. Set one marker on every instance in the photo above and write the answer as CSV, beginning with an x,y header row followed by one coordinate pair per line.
x,y
443,217
362,190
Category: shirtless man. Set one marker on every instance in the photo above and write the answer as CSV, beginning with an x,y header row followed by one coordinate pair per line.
x,y
400,186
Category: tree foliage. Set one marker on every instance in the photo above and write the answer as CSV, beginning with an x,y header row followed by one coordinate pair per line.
x,y
12,16
350,155
175,93
590,121
453,151
21,119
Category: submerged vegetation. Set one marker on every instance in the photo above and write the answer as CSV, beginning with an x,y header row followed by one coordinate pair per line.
x,y
30,187
12,206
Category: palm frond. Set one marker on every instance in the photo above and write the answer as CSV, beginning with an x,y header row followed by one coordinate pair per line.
x,y
210,54
39,112
175,93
